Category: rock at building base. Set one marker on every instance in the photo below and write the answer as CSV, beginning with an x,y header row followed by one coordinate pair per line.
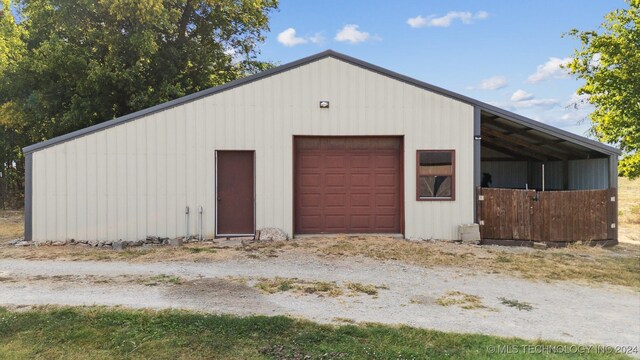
x,y
175,242
469,233
273,234
540,246
119,245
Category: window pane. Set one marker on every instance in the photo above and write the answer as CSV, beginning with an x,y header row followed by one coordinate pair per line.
x,y
436,163
435,186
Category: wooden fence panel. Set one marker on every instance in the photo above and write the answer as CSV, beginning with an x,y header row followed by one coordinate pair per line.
x,y
562,216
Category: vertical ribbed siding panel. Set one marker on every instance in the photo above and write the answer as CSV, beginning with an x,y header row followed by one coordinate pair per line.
x,y
60,161
131,174
152,175
101,185
71,200
588,174
506,174
81,198
181,169
39,196
170,171
216,123
120,169
141,180
161,174
112,184
205,157
190,154
92,188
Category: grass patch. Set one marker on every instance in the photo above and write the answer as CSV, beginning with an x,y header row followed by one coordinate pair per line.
x,y
163,279
102,333
465,301
629,210
198,250
11,225
278,284
520,305
362,288
321,288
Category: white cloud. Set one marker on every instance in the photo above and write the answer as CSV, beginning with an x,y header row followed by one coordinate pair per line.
x,y
551,69
520,95
350,33
465,17
289,38
492,83
534,103
317,38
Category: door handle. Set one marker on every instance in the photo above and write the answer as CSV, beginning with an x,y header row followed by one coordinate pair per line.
x,y
219,198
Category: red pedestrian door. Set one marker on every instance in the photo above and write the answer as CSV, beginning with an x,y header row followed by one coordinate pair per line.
x,y
235,193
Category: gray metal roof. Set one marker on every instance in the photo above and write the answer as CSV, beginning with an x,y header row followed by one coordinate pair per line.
x,y
565,135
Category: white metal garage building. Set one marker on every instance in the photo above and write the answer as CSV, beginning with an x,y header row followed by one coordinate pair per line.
x,y
326,144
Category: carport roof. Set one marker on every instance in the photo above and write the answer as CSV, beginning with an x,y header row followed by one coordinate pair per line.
x,y
513,117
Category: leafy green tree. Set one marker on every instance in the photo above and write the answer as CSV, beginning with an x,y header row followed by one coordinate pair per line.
x,y
12,126
609,62
75,63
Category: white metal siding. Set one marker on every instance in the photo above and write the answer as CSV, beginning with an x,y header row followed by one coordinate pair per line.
x,y
134,180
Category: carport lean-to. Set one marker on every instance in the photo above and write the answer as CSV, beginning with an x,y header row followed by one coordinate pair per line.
x,y
537,185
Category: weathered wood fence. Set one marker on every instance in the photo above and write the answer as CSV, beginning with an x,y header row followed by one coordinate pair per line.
x,y
547,216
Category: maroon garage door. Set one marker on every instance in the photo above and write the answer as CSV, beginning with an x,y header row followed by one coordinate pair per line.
x,y
348,185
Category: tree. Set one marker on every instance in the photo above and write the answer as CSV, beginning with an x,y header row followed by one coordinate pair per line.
x,y
81,62
12,131
609,62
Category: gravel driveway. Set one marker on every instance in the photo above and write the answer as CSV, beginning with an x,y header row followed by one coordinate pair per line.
x,y
408,295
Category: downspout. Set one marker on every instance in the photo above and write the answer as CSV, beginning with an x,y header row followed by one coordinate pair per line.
x,y
200,235
186,223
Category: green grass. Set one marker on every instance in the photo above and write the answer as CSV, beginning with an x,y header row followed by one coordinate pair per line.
x,y
102,333
520,305
163,279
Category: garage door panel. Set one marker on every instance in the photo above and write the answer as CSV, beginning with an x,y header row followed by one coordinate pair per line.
x,y
335,221
336,161
335,200
361,222
335,180
361,161
360,180
310,161
360,200
385,200
334,143
385,180
389,162
348,185
311,200
385,221
310,180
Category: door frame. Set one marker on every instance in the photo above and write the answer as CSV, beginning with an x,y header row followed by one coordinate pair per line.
x,y
215,195
294,182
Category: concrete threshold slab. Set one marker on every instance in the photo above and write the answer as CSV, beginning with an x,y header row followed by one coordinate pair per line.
x,y
356,235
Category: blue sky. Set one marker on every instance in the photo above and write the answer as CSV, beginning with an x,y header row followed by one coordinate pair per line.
x,y
502,52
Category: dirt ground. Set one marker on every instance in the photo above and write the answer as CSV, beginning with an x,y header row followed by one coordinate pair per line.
x,y
579,294
338,290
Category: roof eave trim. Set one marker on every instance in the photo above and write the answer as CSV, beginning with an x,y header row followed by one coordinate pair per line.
x,y
592,144
581,140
